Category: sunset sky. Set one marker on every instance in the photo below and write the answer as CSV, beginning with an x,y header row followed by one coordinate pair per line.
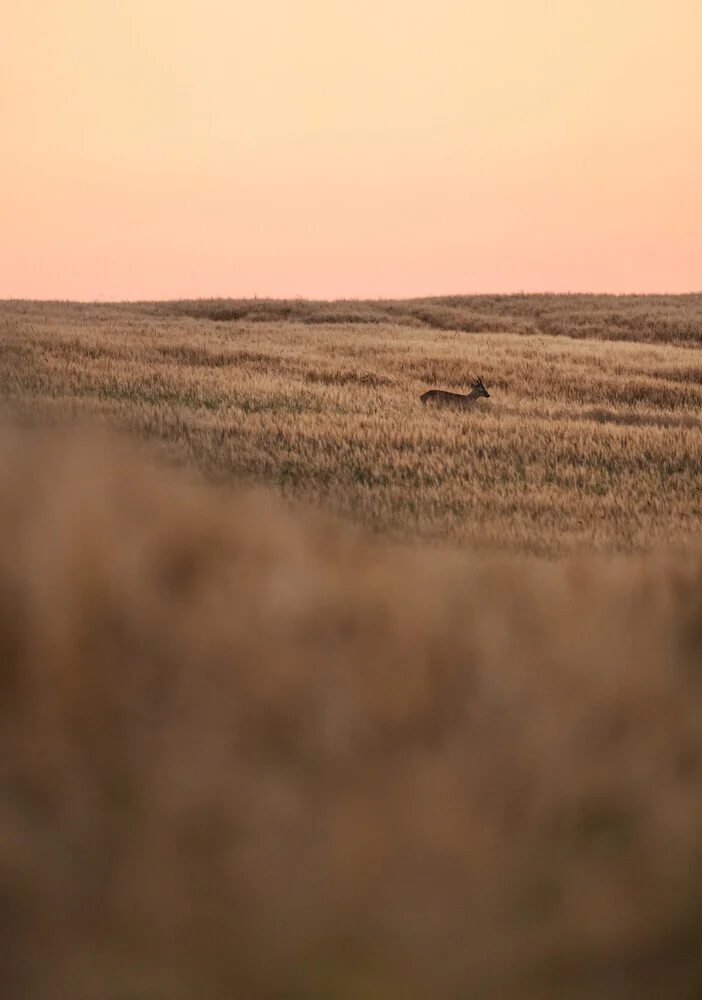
x,y
349,148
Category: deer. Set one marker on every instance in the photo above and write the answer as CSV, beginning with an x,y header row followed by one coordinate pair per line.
x,y
442,398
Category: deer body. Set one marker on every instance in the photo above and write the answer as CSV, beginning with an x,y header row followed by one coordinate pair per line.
x,y
442,398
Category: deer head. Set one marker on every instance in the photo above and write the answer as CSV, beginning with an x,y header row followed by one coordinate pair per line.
x,y
479,389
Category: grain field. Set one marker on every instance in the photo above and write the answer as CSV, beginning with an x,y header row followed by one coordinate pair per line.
x,y
289,708
590,440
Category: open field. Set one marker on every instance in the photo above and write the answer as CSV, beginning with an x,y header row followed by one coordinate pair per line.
x,y
590,441
247,751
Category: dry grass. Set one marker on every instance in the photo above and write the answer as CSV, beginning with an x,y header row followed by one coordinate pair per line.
x,y
586,443
249,752
246,756
642,318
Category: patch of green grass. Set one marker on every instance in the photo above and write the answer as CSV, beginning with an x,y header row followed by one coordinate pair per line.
x,y
152,396
279,404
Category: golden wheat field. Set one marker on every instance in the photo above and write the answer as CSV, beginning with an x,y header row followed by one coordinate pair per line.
x,y
251,750
590,440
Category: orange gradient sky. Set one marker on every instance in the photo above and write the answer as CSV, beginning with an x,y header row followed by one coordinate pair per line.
x,y
349,148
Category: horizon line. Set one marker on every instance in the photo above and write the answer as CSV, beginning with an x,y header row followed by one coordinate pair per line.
x,y
97,300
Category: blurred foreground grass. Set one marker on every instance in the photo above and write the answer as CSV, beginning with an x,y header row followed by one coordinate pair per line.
x,y
245,753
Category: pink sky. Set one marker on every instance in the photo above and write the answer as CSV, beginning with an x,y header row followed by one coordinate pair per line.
x,y
349,148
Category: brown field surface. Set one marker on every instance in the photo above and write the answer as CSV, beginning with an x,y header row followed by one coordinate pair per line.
x,y
590,440
247,751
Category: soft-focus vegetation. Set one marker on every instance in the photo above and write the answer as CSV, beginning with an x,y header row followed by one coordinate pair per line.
x,y
244,755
